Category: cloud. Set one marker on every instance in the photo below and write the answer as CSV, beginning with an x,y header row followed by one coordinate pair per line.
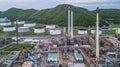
x,y
76,1
43,4
17,0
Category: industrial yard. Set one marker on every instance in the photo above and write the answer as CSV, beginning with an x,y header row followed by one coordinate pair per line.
x,y
25,44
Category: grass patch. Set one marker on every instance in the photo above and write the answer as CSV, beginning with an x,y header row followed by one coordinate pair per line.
x,y
75,31
108,31
17,47
115,26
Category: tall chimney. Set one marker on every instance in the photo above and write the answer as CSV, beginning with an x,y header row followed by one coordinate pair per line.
x,y
72,23
69,20
97,35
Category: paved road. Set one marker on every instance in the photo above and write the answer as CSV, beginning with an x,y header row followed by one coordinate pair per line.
x,y
44,61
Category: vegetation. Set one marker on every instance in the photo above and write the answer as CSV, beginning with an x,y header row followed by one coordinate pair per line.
x,y
111,15
108,31
17,47
15,13
58,15
115,26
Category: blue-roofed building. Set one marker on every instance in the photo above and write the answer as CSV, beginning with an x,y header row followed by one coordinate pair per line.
x,y
4,22
78,56
52,57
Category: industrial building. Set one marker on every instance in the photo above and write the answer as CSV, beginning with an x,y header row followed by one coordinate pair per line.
x,y
78,56
4,22
56,31
52,57
9,28
76,65
39,30
82,31
23,29
50,26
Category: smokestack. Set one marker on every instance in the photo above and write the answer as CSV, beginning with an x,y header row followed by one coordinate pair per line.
x,y
97,35
64,30
72,23
69,20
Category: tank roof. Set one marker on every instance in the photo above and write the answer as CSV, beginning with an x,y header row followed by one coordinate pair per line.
x,y
40,27
4,20
29,22
9,26
82,29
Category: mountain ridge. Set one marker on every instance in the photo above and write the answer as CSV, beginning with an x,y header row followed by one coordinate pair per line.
x,y
58,15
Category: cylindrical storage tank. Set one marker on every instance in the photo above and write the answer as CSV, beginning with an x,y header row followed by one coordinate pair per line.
x,y
82,31
29,24
93,31
23,29
51,26
118,31
55,31
9,28
5,22
39,30
20,22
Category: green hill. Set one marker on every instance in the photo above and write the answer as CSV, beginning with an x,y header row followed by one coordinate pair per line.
x,y
112,15
58,15
14,13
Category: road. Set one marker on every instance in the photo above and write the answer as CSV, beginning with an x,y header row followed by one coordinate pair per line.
x,y
44,61
87,58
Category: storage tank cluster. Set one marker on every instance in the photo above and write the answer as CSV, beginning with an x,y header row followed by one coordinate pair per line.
x,y
39,29
9,28
82,31
4,22
29,24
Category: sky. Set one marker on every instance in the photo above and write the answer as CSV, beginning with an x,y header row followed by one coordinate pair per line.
x,y
43,4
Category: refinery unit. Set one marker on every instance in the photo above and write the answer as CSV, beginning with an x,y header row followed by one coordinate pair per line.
x,y
61,48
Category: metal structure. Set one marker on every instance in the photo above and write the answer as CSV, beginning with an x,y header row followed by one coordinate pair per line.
x,y
70,22
17,30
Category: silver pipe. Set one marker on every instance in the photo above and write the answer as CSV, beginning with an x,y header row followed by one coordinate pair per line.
x,y
68,20
71,23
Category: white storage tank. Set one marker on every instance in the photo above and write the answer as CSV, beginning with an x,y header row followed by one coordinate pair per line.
x,y
118,31
4,22
23,29
29,24
20,22
50,26
39,30
93,31
9,28
82,31
55,31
